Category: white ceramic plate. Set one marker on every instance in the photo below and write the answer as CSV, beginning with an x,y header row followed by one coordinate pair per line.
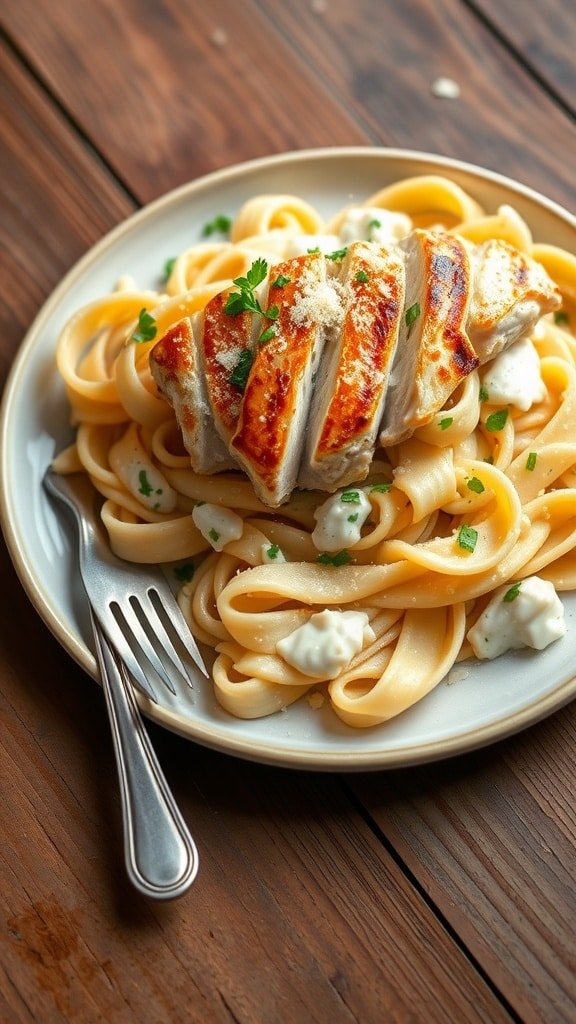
x,y
494,700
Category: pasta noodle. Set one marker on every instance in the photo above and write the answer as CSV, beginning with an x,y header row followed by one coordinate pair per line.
x,y
419,589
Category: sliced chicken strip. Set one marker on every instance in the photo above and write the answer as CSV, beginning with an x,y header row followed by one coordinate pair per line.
x,y
175,366
225,358
434,353
510,292
353,376
269,439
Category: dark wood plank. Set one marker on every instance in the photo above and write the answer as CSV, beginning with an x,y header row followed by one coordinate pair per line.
x,y
381,59
57,201
544,34
299,912
491,839
186,88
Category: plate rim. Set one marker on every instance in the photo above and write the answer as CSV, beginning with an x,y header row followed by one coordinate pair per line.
x,y
208,736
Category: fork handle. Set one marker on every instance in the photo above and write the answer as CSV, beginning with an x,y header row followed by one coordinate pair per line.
x,y
160,854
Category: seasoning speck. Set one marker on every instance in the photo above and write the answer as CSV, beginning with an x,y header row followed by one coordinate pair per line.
x,y
445,89
219,37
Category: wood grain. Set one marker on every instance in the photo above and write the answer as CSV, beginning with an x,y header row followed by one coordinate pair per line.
x,y
57,200
543,36
440,893
169,119
491,839
502,119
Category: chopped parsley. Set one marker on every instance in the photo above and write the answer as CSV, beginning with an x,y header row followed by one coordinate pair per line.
x,y
484,396
512,594
340,558
412,313
184,573
213,534
169,267
281,280
244,299
474,484
267,335
351,497
531,461
374,224
497,420
382,488
273,551
241,371
446,422
220,225
353,517
362,277
146,328
561,318
337,255
467,537
145,486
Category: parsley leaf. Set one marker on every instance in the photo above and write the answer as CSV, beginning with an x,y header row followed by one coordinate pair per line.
x,y
280,281
467,537
267,335
169,267
375,224
220,225
213,534
412,314
145,486
476,485
484,396
184,573
446,422
273,551
337,255
497,421
382,488
241,371
245,299
353,517
340,558
146,329
362,277
512,594
531,461
351,497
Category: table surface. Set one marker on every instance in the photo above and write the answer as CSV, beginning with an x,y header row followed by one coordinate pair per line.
x,y
435,893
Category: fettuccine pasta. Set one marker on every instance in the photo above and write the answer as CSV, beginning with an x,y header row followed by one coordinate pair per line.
x,y
503,476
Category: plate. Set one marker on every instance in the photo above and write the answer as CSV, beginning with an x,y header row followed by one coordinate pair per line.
x,y
483,702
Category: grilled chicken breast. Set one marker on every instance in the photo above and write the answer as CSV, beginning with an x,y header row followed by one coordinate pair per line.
x,y
270,435
434,353
226,348
353,376
177,369
510,292
361,350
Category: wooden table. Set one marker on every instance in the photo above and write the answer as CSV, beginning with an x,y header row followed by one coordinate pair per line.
x,y
436,893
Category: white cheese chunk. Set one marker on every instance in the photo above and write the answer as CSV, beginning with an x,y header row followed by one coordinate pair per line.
x,y
326,644
340,519
373,224
217,525
514,378
271,554
299,245
529,614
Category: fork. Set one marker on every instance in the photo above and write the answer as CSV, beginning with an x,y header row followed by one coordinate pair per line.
x,y
129,604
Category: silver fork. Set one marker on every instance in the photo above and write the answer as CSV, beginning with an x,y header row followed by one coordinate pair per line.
x,y
133,612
